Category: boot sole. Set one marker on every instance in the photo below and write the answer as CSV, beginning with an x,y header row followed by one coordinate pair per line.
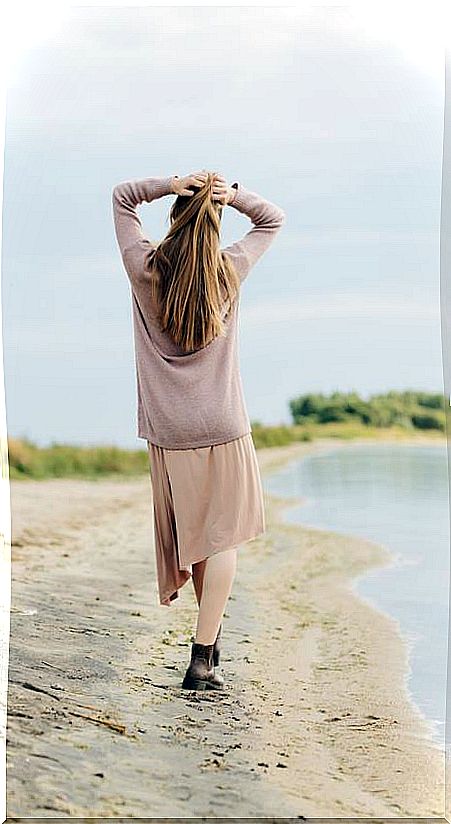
x,y
199,684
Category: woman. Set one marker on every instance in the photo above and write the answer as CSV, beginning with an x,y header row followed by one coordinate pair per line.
x,y
185,290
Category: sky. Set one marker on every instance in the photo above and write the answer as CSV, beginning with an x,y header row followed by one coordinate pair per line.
x,y
337,121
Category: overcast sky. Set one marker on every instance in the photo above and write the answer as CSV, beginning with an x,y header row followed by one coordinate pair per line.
x,y
339,127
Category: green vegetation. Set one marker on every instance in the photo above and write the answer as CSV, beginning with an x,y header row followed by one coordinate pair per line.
x,y
26,460
408,410
278,435
339,415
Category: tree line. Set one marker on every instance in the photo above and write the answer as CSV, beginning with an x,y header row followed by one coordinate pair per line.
x,y
408,409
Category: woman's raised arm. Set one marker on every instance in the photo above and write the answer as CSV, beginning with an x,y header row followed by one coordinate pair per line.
x,y
267,219
126,197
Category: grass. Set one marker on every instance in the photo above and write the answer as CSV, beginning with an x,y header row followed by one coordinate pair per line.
x,y
26,460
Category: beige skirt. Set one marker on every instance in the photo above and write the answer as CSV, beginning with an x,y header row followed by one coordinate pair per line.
x,y
205,500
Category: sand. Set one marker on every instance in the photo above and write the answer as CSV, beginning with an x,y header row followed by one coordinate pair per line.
x,y
315,721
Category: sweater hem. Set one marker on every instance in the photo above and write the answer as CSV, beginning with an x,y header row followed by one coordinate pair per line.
x,y
191,445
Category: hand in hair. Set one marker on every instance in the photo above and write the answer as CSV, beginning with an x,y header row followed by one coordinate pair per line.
x,y
221,191
180,184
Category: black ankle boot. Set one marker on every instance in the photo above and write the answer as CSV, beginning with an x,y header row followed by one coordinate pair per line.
x,y
200,674
217,647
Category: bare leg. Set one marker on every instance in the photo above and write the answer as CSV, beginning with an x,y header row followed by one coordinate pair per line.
x,y
217,584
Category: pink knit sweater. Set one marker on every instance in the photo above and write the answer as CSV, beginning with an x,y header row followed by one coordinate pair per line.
x,y
187,400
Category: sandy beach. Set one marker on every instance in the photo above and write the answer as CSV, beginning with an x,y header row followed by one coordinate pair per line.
x,y
315,720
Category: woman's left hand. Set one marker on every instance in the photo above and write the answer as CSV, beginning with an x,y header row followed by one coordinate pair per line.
x,y
180,184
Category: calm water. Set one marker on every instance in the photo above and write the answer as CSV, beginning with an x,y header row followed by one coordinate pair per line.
x,y
398,497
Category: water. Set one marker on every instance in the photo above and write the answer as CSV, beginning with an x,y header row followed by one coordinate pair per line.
x,y
396,496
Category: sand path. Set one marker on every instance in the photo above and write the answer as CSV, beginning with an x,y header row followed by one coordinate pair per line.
x,y
315,720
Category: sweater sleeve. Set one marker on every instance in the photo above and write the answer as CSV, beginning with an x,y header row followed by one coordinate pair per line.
x,y
267,219
128,227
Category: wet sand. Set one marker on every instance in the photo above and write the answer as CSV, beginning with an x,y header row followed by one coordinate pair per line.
x,y
315,720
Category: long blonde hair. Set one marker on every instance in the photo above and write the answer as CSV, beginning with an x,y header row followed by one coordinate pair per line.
x,y
192,280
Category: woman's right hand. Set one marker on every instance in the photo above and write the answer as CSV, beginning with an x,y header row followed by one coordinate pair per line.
x,y
221,191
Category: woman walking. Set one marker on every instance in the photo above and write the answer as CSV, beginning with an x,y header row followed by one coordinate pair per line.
x,y
206,486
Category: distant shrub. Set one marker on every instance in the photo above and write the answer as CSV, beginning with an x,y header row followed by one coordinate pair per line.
x,y
404,409
428,422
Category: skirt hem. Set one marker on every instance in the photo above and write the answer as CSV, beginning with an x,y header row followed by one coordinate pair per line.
x,y
171,596
206,553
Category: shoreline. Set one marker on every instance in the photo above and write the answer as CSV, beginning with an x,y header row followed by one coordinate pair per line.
x,y
378,556
315,718
388,557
